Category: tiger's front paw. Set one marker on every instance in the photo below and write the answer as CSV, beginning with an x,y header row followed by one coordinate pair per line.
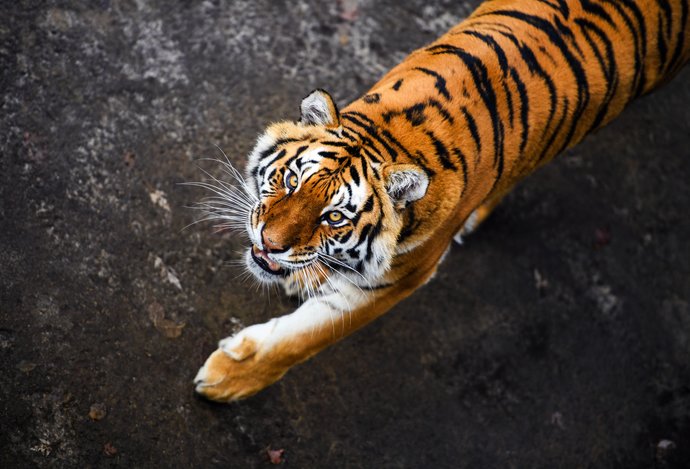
x,y
239,368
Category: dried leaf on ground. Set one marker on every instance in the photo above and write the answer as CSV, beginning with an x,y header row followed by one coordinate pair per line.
x,y
97,411
275,455
109,450
167,327
26,366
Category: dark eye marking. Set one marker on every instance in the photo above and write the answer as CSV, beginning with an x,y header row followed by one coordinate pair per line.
x,y
354,174
345,238
368,205
300,150
273,160
331,155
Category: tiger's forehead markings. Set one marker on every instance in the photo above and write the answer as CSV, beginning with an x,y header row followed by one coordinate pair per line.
x,y
334,168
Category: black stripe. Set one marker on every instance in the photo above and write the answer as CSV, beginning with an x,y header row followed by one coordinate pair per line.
x,y
371,130
482,83
597,10
346,237
556,131
491,42
267,152
346,134
608,67
354,151
395,142
410,225
562,7
376,287
441,110
265,166
363,235
398,84
421,161
365,164
574,64
524,107
665,7
566,32
371,156
636,39
661,44
509,101
368,205
441,152
642,28
674,64
371,98
283,141
415,114
463,162
330,155
503,64
440,81
354,174
301,150
385,134
372,236
472,125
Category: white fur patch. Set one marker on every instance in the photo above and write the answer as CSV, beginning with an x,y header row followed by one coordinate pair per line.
x,y
407,185
467,228
313,317
257,333
316,110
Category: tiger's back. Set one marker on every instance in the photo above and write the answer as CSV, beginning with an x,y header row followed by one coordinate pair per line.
x,y
514,85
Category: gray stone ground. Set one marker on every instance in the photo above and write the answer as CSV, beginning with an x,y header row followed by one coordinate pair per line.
x,y
558,336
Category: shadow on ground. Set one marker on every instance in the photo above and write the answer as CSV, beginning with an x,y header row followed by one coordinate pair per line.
x,y
558,336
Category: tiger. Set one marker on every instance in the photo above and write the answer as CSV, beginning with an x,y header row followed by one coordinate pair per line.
x,y
353,210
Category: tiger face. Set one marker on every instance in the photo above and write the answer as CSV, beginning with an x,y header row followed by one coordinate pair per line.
x,y
322,206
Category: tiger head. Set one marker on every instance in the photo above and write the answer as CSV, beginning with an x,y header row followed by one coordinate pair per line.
x,y
322,200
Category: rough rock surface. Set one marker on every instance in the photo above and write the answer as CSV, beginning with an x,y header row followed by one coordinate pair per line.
x,y
557,336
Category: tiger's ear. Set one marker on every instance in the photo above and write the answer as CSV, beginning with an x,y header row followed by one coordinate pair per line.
x,y
319,109
405,183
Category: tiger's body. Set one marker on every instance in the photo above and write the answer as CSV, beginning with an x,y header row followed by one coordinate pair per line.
x,y
354,210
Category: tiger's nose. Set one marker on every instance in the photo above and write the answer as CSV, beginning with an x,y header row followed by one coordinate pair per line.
x,y
270,245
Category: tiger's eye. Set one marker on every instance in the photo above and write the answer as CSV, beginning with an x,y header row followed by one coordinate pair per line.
x,y
291,180
334,217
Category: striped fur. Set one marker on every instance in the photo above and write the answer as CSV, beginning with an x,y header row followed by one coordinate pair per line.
x,y
438,141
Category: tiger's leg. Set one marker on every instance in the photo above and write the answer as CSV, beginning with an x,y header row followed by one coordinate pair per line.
x,y
259,355
478,216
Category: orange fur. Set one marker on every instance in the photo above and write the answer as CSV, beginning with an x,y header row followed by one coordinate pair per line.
x,y
496,97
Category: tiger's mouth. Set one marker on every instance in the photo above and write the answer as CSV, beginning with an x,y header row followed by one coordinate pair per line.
x,y
262,260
